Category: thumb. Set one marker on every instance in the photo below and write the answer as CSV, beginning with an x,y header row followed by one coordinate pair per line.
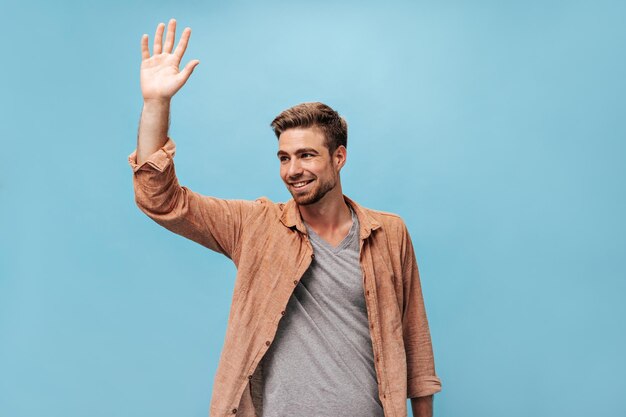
x,y
186,72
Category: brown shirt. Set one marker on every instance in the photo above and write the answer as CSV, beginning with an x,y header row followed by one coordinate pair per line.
x,y
268,243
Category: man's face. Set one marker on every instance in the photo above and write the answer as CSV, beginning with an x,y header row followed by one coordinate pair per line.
x,y
306,166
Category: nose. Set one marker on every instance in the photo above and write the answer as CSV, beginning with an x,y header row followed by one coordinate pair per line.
x,y
294,169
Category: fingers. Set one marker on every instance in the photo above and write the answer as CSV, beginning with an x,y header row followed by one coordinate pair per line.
x,y
158,38
182,44
145,52
169,38
158,46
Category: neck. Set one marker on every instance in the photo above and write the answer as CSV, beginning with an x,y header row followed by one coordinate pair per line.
x,y
329,214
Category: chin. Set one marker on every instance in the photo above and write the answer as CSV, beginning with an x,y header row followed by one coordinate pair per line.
x,y
304,200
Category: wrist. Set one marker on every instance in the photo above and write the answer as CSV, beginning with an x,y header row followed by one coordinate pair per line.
x,y
158,102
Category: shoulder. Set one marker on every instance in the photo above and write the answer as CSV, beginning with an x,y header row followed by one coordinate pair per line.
x,y
263,203
264,207
266,204
392,224
385,218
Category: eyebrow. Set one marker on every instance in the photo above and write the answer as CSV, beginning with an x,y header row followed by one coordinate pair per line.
x,y
299,151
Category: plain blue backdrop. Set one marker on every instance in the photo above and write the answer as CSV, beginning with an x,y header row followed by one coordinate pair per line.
x,y
496,129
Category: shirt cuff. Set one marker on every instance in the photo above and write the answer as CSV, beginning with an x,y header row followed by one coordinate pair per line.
x,y
423,386
158,160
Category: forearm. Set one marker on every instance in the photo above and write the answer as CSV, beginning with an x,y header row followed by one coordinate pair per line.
x,y
422,406
153,127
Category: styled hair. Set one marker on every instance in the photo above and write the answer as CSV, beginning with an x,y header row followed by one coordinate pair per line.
x,y
316,114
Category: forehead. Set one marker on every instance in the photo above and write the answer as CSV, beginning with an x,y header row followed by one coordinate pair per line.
x,y
298,138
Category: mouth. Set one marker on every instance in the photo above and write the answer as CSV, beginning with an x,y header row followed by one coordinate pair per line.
x,y
300,184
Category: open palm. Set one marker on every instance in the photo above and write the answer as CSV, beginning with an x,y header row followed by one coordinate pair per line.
x,y
160,76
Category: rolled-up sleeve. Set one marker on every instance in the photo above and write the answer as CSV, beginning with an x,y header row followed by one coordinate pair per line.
x,y
157,161
212,222
421,377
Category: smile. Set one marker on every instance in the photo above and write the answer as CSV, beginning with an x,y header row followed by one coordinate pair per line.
x,y
301,184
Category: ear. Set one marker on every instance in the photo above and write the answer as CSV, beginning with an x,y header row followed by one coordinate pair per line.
x,y
339,157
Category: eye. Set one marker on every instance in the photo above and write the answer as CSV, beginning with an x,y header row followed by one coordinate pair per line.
x,y
307,155
283,158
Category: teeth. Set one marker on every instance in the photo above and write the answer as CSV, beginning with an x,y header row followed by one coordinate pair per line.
x,y
300,184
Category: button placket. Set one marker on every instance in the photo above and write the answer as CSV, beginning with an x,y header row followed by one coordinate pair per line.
x,y
372,314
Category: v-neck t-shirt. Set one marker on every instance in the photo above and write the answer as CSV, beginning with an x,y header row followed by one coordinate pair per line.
x,y
321,362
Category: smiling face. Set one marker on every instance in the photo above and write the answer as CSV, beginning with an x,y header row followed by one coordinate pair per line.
x,y
306,166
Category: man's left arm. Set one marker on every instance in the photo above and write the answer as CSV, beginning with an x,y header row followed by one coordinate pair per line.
x,y
422,406
422,381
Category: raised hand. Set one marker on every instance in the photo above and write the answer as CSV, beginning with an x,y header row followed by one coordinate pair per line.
x,y
160,76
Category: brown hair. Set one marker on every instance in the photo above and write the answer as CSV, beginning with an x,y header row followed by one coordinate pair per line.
x,y
318,115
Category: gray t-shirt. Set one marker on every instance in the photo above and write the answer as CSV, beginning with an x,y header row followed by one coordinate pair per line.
x,y
321,362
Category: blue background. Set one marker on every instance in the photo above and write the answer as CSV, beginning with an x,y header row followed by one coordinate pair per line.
x,y
496,129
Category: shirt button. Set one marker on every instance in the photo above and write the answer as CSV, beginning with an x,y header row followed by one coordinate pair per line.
x,y
376,358
295,282
312,256
372,326
367,292
267,343
282,313
249,376
234,410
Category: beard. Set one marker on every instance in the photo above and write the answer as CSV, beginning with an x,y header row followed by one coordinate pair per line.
x,y
315,194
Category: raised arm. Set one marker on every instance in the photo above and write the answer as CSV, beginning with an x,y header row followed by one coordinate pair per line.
x,y
160,79
213,222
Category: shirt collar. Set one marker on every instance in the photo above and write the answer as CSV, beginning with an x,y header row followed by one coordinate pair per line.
x,y
291,218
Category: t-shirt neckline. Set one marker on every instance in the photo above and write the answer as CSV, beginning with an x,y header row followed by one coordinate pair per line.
x,y
346,240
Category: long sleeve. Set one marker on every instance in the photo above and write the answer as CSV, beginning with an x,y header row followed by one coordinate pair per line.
x,y
212,222
421,377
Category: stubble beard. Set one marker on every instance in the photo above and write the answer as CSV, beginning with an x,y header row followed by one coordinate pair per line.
x,y
314,195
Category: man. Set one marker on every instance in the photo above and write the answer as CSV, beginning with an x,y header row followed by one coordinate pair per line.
x,y
327,316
